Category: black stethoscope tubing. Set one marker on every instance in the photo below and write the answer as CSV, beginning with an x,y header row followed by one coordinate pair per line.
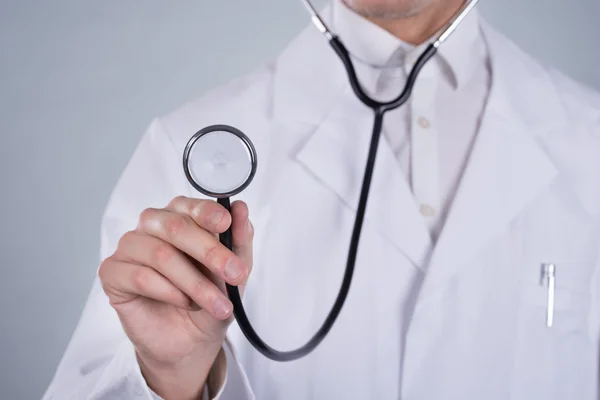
x,y
379,109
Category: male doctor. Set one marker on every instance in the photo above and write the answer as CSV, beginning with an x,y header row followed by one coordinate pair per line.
x,y
490,174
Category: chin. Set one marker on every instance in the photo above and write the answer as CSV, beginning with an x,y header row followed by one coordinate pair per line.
x,y
387,8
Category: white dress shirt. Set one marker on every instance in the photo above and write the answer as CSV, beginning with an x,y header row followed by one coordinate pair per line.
x,y
433,133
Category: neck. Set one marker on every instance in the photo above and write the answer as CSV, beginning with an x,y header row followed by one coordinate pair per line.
x,y
420,27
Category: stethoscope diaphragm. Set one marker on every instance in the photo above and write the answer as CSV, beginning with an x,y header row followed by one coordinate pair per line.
x,y
219,161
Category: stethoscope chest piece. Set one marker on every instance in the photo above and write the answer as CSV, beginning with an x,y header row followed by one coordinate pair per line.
x,y
219,161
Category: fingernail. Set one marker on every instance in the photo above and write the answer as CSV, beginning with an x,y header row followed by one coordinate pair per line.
x,y
222,308
217,217
249,226
233,270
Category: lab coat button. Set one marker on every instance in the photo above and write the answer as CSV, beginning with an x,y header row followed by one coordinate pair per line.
x,y
424,123
427,210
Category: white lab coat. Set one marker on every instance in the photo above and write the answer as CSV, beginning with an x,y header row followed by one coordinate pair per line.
x,y
464,319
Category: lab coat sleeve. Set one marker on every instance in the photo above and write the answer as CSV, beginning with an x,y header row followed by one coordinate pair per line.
x,y
100,362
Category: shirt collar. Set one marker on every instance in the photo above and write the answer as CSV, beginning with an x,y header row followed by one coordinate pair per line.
x,y
376,46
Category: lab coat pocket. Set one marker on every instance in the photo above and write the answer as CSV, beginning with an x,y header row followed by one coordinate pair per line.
x,y
568,306
553,360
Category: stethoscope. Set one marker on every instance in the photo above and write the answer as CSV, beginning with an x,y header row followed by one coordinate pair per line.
x,y
220,161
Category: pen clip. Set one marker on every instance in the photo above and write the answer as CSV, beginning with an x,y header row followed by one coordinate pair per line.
x,y
549,280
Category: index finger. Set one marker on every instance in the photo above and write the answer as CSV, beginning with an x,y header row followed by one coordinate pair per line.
x,y
182,232
208,214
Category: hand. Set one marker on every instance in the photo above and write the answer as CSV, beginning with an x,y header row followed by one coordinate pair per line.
x,y
166,281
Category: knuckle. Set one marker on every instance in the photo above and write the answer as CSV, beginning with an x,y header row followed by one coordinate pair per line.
x,y
177,201
104,269
141,280
200,291
126,239
175,224
212,257
163,253
147,216
198,210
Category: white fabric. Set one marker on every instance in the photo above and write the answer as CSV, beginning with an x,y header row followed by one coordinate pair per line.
x,y
433,133
464,319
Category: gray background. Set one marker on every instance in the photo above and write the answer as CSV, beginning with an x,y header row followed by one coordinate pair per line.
x,y
79,83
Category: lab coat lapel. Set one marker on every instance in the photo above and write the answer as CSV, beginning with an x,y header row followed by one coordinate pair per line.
x,y
507,169
336,155
312,94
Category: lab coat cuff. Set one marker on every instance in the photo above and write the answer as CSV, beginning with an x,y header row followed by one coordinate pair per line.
x,y
236,385
205,393
136,386
122,379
